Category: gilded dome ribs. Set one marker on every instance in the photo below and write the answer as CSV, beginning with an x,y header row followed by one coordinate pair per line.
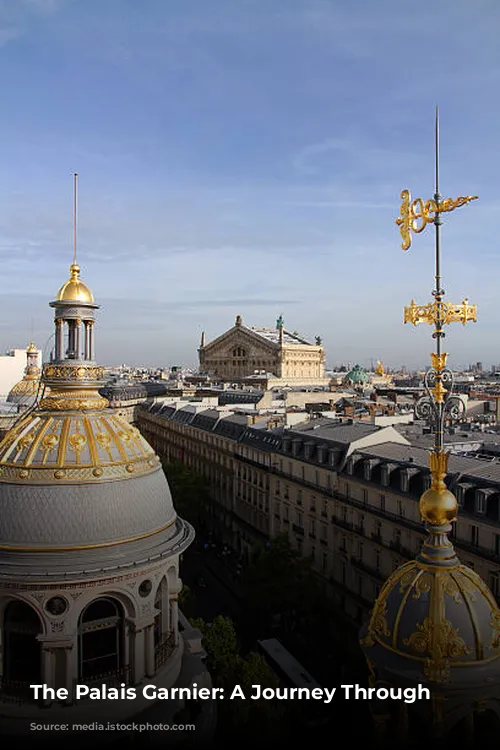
x,y
63,443
94,454
472,615
38,439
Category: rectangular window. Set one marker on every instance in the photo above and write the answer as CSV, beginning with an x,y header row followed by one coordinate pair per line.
x,y
365,497
299,497
474,535
497,545
382,502
377,561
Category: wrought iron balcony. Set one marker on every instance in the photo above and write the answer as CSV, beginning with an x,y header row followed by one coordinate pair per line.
x,y
163,651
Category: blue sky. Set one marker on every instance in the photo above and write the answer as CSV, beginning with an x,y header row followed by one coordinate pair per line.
x,y
247,157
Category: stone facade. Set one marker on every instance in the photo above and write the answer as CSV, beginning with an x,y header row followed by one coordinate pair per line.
x,y
244,352
347,501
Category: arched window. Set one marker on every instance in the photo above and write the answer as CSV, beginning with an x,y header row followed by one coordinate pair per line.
x,y
161,618
21,653
101,639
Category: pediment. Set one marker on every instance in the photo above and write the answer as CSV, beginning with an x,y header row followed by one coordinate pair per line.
x,y
239,336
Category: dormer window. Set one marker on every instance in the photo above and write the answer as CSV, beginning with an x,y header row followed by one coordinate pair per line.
x,y
320,453
404,480
384,475
481,502
350,466
367,470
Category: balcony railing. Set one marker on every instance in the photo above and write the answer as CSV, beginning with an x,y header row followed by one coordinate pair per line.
x,y
362,566
16,691
113,678
164,651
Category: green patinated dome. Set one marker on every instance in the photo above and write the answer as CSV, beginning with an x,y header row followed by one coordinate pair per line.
x,y
357,376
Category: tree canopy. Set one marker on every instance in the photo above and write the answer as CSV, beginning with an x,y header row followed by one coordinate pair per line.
x,y
229,668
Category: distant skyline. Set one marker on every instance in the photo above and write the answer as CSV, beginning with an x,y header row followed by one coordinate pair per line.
x,y
248,158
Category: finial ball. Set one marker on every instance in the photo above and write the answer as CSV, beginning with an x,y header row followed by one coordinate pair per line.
x,y
438,508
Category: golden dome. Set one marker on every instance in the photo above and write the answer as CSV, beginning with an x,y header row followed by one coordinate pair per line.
x,y
439,619
48,447
32,349
26,387
75,290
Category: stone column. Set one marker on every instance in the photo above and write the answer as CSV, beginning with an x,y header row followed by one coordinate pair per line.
x,y
87,339
91,340
150,650
47,670
78,340
57,646
59,338
138,660
174,617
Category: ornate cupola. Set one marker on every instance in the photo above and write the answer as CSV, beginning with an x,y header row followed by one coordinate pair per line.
x,y
25,393
72,374
435,623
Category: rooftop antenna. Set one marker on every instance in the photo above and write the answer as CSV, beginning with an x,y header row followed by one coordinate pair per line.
x,y
75,204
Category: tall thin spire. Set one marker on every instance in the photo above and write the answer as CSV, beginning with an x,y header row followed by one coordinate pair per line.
x,y
437,150
75,206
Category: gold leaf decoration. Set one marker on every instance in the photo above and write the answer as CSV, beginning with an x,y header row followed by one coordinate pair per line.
x,y
423,585
495,626
77,442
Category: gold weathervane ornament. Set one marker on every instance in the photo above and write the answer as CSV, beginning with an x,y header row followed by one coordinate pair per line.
x,y
416,215
439,405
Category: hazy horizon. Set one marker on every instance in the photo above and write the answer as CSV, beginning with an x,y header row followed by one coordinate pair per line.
x,y
247,158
